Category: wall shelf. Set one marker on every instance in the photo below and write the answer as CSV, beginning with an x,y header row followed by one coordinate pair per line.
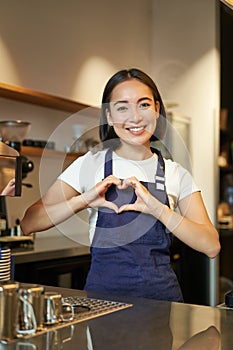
x,y
49,153
21,94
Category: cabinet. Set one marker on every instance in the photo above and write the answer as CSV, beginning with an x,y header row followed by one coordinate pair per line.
x,y
193,272
63,272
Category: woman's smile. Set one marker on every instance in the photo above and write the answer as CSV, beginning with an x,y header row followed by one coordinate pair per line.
x,y
136,131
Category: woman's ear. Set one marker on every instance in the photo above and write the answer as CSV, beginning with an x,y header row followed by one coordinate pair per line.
x,y
157,109
109,118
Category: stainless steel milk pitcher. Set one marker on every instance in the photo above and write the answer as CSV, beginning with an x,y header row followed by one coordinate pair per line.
x,y
8,310
31,298
34,294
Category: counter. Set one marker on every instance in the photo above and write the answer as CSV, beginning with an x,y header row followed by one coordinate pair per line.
x,y
60,261
48,247
54,260
147,325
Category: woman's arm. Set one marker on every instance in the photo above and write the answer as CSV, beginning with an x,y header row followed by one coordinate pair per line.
x,y
53,208
61,202
192,226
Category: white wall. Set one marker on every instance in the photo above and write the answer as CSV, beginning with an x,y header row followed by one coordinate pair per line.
x,y
71,47
186,65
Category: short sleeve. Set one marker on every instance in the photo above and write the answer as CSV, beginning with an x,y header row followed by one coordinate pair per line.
x,y
70,174
179,181
85,171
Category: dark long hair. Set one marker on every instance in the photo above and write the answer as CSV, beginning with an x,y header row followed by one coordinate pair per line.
x,y
106,131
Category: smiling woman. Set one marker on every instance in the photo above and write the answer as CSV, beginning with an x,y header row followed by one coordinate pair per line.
x,y
133,113
131,192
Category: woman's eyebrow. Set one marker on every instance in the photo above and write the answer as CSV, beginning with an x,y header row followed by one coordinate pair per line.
x,y
145,98
123,101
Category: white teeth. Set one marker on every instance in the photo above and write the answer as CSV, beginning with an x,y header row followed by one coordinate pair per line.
x,y
136,129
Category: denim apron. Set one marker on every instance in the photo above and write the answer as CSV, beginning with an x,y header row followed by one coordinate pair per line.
x,y
131,250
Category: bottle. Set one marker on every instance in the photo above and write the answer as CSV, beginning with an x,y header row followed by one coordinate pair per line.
x,y
3,216
3,224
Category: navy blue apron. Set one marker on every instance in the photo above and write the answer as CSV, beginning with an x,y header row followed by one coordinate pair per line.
x,y
131,250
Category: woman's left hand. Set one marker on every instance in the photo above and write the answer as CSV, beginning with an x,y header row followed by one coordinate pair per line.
x,y
191,225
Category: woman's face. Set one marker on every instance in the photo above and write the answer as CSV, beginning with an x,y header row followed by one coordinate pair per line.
x,y
133,112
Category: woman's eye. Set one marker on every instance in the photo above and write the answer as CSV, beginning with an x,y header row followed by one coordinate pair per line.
x,y
122,109
144,105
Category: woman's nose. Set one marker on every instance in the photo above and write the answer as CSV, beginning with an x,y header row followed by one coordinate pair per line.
x,y
135,115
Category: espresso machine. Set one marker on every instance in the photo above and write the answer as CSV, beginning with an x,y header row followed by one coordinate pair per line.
x,y
14,167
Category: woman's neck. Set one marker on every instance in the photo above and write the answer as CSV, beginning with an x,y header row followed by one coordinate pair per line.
x,y
134,152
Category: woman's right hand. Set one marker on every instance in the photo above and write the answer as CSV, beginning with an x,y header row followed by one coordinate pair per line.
x,y
61,201
95,197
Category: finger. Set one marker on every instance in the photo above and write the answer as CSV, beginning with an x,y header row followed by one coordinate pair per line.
x,y
111,205
103,186
132,181
113,179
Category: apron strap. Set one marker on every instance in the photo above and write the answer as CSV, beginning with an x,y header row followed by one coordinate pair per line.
x,y
160,173
108,163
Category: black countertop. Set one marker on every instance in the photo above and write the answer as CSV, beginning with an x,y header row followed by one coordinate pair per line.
x,y
147,325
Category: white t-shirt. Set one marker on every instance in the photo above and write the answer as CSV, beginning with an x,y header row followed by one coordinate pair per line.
x,y
88,170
